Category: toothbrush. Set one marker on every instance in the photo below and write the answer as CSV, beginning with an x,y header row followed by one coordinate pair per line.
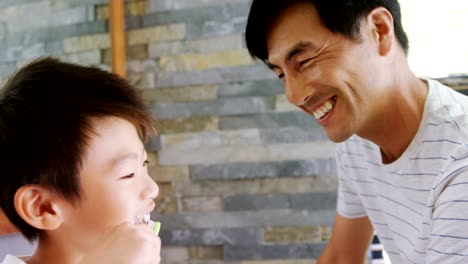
x,y
145,219
156,226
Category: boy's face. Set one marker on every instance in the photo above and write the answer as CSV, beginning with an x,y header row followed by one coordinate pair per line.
x,y
115,184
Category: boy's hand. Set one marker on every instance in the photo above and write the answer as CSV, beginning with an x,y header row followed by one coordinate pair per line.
x,y
126,244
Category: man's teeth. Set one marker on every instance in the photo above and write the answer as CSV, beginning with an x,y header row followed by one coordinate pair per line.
x,y
323,110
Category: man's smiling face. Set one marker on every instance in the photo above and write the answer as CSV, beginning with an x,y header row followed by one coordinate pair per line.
x,y
327,75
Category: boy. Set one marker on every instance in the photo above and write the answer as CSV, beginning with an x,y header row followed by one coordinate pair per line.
x,y
73,164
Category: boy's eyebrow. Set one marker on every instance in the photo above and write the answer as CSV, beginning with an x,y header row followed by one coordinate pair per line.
x,y
124,157
298,48
127,156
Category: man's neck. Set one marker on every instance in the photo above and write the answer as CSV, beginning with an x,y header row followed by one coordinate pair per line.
x,y
399,121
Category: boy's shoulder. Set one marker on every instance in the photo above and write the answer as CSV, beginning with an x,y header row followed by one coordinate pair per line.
x,y
9,259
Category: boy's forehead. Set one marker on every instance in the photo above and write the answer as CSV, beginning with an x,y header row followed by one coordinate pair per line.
x,y
113,139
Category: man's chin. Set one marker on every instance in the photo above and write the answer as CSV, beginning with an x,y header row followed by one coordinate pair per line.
x,y
338,137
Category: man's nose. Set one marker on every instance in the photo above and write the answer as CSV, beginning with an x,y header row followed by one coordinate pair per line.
x,y
296,91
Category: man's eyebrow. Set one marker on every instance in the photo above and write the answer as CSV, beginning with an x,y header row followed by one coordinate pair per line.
x,y
297,49
271,66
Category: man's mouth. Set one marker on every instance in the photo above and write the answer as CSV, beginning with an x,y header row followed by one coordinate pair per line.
x,y
325,108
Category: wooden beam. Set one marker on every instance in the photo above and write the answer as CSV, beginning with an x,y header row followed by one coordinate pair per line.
x,y
117,33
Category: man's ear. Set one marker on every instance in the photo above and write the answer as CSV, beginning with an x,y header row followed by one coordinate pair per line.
x,y
381,22
39,207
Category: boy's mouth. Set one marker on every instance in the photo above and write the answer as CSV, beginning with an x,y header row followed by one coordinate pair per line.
x,y
143,219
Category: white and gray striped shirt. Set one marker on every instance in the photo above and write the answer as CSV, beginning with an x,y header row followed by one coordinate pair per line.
x,y
418,204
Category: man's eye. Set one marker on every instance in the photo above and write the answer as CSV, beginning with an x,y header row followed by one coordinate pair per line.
x,y
146,162
301,63
128,176
281,76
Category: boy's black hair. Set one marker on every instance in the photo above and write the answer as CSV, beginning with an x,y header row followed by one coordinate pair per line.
x,y
46,110
341,16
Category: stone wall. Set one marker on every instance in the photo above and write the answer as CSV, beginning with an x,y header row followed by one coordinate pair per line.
x,y
244,177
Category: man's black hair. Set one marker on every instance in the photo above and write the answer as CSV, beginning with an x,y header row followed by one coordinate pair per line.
x,y
339,16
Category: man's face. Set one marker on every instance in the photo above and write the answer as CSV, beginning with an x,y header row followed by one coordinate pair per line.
x,y
115,184
325,74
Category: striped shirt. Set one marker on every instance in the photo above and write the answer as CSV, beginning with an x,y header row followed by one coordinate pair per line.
x,y
418,205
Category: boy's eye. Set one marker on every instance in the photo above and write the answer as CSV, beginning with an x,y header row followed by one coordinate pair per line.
x,y
128,176
146,162
281,76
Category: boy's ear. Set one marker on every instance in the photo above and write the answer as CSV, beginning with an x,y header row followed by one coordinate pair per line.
x,y
39,207
383,30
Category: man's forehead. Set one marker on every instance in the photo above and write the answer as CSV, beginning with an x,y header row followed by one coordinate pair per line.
x,y
294,28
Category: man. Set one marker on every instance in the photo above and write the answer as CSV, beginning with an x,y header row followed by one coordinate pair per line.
x,y
403,161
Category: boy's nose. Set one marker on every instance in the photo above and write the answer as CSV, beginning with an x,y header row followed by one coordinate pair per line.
x,y
151,190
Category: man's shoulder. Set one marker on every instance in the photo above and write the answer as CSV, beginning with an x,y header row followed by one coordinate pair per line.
x,y
446,113
447,104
